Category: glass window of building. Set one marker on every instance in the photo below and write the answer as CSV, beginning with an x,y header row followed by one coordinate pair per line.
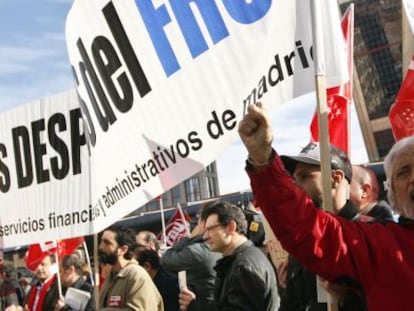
x,y
175,195
211,168
192,189
211,187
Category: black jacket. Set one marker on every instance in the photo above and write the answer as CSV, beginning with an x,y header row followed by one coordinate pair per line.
x,y
246,280
167,285
82,284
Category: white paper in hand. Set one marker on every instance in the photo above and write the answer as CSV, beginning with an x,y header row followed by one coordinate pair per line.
x,y
182,279
77,299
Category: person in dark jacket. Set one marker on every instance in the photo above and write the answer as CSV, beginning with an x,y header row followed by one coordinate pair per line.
x,y
245,278
166,283
193,255
70,269
364,194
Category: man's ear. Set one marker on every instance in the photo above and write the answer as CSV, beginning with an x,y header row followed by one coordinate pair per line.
x,y
366,190
123,249
232,226
146,266
337,177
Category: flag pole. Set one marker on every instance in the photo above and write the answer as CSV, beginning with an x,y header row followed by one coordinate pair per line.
x,y
162,221
96,268
187,229
88,260
322,111
58,271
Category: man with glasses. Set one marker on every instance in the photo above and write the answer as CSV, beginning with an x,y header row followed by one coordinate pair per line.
x,y
193,255
245,278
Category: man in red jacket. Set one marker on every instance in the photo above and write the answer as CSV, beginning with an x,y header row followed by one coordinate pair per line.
x,y
378,256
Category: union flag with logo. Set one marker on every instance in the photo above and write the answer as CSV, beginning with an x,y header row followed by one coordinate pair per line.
x,y
177,227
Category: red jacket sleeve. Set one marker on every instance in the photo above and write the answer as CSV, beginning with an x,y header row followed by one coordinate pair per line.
x,y
320,240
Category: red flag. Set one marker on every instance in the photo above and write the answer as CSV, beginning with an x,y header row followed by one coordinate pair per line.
x,y
177,227
401,114
68,246
37,252
339,97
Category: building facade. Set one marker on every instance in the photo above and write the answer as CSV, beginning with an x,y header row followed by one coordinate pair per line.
x,y
378,69
201,186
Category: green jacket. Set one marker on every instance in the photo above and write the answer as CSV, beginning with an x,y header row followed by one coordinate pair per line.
x,y
131,289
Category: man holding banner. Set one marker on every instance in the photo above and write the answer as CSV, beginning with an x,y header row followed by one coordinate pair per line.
x,y
375,255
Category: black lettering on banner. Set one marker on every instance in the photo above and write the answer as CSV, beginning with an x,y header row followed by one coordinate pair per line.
x,y
108,63
125,47
185,150
4,170
78,139
86,69
21,144
58,120
196,142
215,126
39,151
87,120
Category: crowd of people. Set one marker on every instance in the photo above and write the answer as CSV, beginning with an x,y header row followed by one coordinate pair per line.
x,y
357,252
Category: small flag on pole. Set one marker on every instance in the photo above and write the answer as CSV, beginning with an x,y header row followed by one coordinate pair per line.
x,y
340,97
37,252
177,227
401,114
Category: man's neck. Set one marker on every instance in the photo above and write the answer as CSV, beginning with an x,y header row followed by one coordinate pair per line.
x,y
120,264
75,279
237,240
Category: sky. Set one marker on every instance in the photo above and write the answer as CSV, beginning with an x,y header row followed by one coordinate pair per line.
x,y
34,64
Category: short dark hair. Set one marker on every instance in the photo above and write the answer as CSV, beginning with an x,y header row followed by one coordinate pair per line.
x,y
124,236
205,207
148,255
226,212
150,237
72,260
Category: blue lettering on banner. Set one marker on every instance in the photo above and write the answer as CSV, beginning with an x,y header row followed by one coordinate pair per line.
x,y
110,76
247,12
155,19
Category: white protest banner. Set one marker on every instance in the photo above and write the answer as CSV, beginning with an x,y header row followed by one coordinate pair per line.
x,y
44,173
409,11
163,84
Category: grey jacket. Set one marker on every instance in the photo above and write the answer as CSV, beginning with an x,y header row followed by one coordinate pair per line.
x,y
194,256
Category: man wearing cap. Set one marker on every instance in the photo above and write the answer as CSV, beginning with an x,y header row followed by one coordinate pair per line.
x,y
300,292
376,255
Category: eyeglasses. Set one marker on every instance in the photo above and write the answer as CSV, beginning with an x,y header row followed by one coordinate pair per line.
x,y
208,229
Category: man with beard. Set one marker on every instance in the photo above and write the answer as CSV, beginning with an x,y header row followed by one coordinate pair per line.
x,y
128,286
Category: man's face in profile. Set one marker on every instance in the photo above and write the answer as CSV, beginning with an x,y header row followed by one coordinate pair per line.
x,y
309,178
